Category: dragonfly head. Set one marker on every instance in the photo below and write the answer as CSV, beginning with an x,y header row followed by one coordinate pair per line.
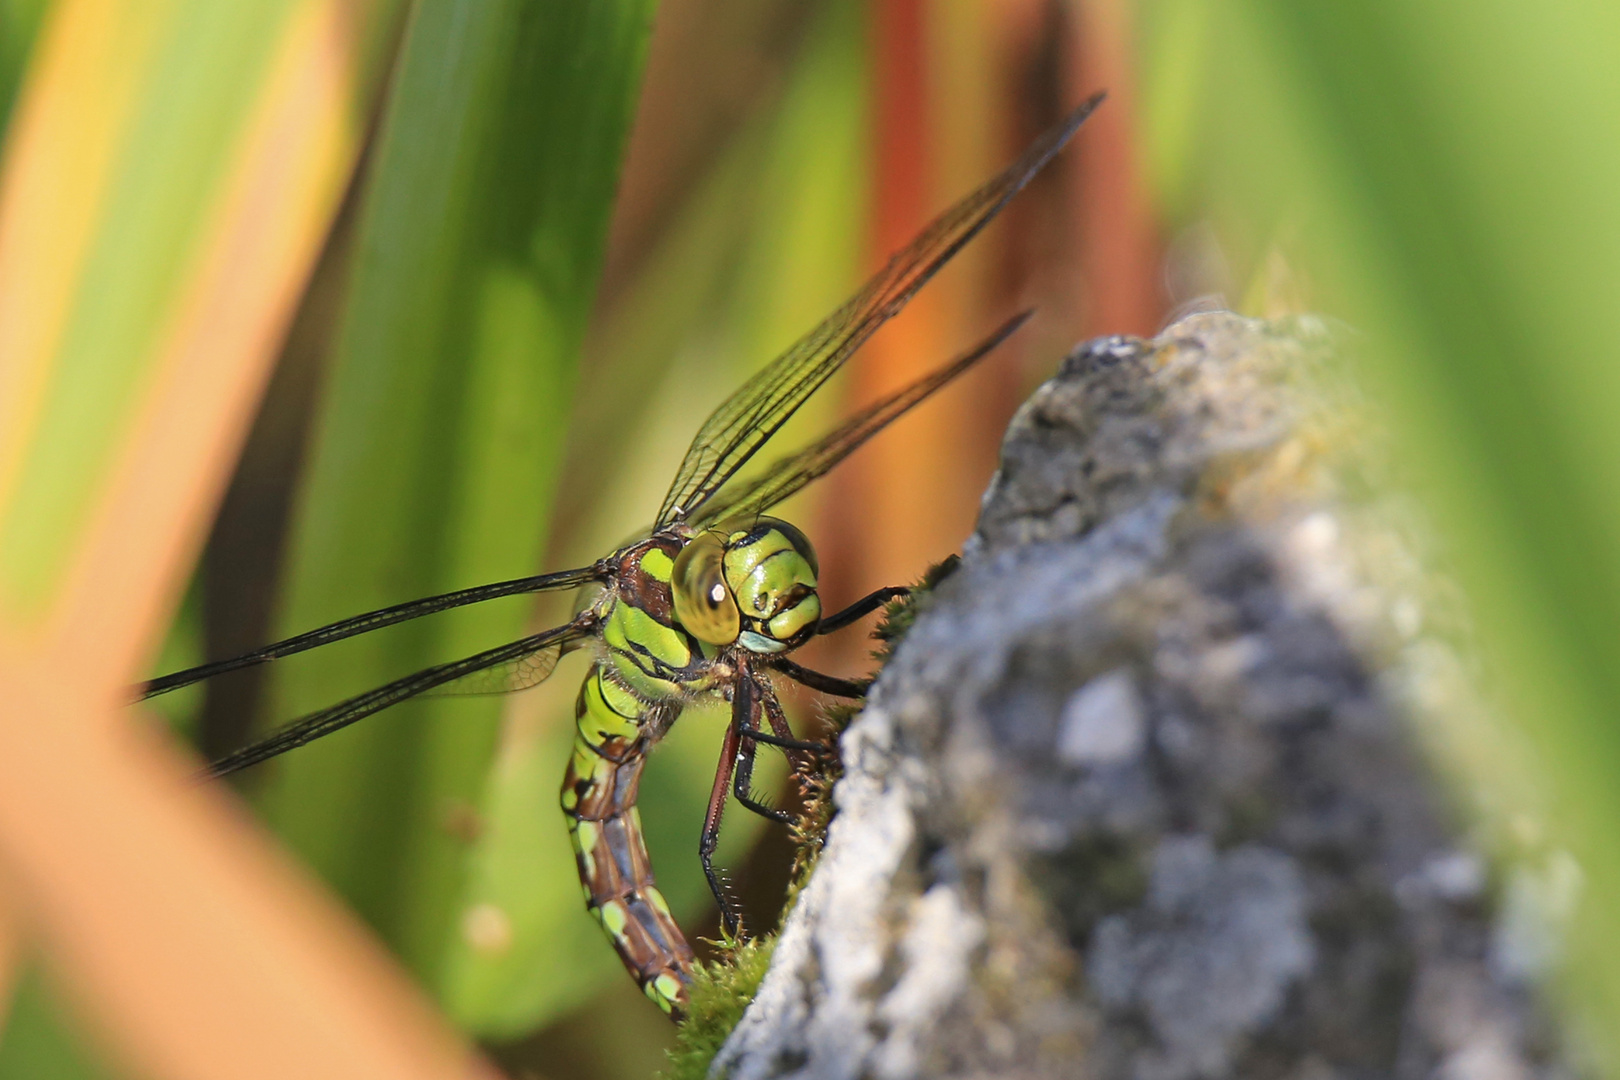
x,y
750,581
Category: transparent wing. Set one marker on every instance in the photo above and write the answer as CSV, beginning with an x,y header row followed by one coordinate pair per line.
x,y
788,476
506,678
543,648
372,620
745,420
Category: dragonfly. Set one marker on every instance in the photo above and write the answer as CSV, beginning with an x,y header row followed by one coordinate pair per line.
x,y
708,603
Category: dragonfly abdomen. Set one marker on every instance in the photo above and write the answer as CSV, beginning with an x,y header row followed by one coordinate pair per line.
x,y
613,728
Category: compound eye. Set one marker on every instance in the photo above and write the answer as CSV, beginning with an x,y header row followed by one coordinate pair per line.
x,y
801,543
703,600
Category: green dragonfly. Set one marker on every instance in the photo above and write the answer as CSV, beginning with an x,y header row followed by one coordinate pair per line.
x,y
707,603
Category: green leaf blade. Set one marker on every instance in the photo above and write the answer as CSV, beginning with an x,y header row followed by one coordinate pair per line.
x,y
439,441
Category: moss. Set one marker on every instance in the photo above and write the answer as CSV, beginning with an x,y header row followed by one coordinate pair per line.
x,y
721,989
811,828
724,987
900,614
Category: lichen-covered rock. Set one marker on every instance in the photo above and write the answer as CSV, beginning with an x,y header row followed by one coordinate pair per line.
x,y
1136,796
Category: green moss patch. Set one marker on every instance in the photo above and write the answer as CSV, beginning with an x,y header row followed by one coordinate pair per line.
x,y
721,989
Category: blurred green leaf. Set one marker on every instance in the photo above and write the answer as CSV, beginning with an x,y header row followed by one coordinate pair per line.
x,y
19,24
173,110
42,1040
766,246
1172,59
438,444
199,76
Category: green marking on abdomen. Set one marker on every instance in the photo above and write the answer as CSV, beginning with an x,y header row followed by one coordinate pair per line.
x,y
598,796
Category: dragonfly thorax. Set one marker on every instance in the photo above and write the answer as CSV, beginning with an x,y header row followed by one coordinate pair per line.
x,y
750,582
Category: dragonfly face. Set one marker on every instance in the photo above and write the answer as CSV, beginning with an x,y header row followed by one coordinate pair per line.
x,y
748,582
710,601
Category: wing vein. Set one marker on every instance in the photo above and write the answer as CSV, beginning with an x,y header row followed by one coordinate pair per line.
x,y
371,620
736,430
318,724
791,474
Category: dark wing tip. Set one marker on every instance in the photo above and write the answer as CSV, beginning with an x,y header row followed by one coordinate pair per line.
x,y
748,418
1058,136
1084,109
1081,112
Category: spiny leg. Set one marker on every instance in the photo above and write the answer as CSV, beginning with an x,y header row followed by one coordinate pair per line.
x,y
798,756
754,735
795,749
717,807
745,775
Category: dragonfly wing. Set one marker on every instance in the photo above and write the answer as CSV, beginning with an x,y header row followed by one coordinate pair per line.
x,y
509,677
744,421
546,645
373,620
788,476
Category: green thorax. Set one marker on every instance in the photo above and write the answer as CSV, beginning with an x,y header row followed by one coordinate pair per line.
x,y
677,603
646,647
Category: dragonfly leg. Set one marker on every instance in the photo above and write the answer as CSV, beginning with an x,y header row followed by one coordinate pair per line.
x,y
710,838
750,740
801,756
785,743
742,780
861,608
822,683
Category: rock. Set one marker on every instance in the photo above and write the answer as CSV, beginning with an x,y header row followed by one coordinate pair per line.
x,y
1138,796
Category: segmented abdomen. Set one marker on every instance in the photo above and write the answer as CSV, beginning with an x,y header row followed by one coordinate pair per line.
x,y
612,729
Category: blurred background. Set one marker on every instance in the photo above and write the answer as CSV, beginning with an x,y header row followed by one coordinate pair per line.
x,y
562,237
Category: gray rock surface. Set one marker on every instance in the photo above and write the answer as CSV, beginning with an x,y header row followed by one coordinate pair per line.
x,y
1136,797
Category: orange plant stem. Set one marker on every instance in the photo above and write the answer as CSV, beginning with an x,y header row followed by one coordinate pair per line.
x,y
1119,237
